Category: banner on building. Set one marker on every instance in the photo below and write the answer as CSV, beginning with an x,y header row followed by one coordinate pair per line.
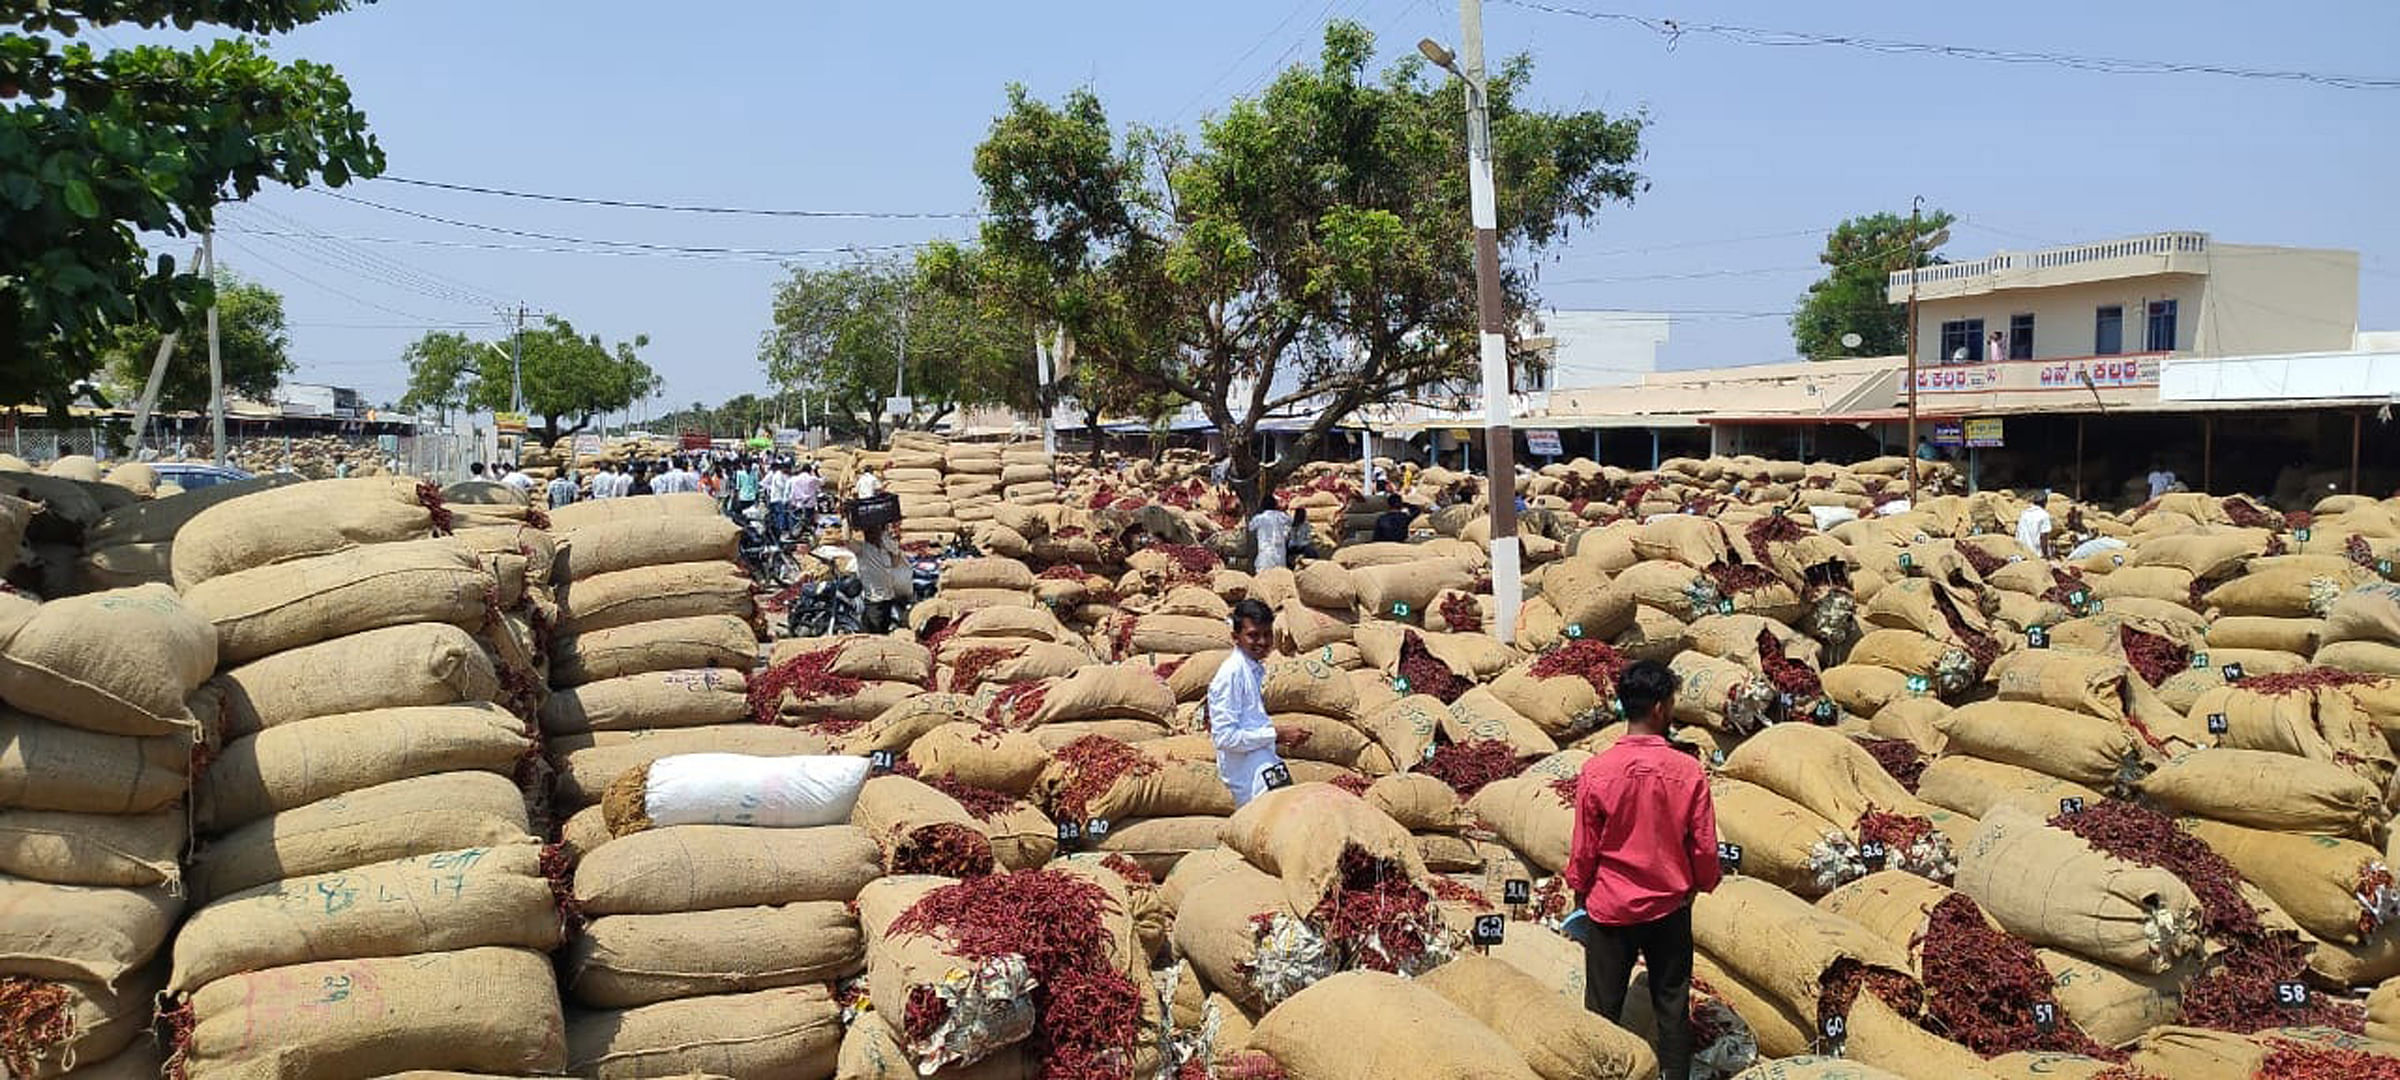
x,y
1949,433
1543,441
1984,433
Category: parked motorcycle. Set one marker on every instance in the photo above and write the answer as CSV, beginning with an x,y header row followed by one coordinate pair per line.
x,y
836,604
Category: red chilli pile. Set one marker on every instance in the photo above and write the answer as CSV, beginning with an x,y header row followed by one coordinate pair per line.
x,y
1468,766
1981,985
1093,764
1591,661
1426,673
1087,1012
806,677
1378,918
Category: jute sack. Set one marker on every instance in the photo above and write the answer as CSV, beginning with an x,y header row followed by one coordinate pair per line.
x,y
1022,837
462,899
1478,716
1825,771
969,753
1587,600
1863,689
93,1024
1720,695
2084,683
1530,817
271,609
1359,1025
1165,789
2067,745
1418,803
705,867
1782,842
1670,587
1405,728
120,662
423,664
649,594
1300,628
686,507
1403,591
1696,542
1308,684
45,766
921,830
2214,1055
1946,667
627,960
2263,789
1310,737
2383,1013
1032,661
1003,622
123,851
855,706
77,934
2373,657
316,518
477,1010
1159,845
426,814
2285,592
2365,612
1921,722
156,521
1782,946
2300,636
684,697
1105,692
588,763
871,657
899,726
1816,1068
634,543
2047,886
2145,583
871,1050
668,644
122,566
2322,724
1973,787
1558,1040
1325,583
2112,1005
1303,833
2201,555
1177,634
2338,890
1564,705
987,573
536,546
293,765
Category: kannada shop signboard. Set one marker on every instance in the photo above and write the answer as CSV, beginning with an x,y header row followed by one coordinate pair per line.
x,y
2086,373
1984,433
1949,433
1543,441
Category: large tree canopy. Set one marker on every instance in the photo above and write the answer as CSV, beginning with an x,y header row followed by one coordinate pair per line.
x,y
842,335
1311,252
253,344
566,375
96,148
1859,256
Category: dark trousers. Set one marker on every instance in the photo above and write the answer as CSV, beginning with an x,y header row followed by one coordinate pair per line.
x,y
1665,945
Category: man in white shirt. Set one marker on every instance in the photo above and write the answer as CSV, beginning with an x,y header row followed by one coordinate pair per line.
x,y
2033,530
868,485
1237,713
562,490
1273,530
779,497
517,479
2162,479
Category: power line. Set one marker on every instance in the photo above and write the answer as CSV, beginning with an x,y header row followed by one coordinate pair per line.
x,y
630,245
310,245
727,256
432,283
679,208
1674,30
253,253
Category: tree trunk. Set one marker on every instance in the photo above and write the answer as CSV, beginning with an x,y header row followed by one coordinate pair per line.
x,y
1091,430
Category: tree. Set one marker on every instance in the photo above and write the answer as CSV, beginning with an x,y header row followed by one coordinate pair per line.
x,y
1860,256
253,344
1312,252
96,148
842,335
566,375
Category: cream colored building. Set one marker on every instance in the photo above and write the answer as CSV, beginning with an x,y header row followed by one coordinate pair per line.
x,y
2116,308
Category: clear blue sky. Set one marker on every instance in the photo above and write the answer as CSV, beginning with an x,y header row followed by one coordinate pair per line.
x,y
1753,152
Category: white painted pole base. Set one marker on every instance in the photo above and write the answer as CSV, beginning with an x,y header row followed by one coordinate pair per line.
x,y
1508,588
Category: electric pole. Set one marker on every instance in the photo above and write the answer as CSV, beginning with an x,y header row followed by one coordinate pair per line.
x,y
1914,209
516,364
216,364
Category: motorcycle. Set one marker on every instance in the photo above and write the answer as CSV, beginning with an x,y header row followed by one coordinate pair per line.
x,y
832,606
768,557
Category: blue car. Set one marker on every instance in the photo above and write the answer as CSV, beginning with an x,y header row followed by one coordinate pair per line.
x,y
194,475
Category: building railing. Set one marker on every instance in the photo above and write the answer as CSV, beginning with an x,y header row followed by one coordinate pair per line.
x,y
2167,243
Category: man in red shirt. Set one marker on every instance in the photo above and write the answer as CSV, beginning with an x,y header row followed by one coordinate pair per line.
x,y
1645,845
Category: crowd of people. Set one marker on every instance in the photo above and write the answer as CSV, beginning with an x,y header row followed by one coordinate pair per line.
x,y
783,487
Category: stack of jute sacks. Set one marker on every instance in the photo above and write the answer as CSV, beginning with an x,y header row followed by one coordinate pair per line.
x,y
96,752
653,651
915,474
370,894
130,545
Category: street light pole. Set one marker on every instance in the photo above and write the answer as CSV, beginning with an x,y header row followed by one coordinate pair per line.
x,y
1914,209
1508,585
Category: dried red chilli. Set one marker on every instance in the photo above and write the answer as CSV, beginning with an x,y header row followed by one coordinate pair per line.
x,y
944,848
1376,916
1120,636
2140,835
2154,657
1354,783
558,868
1246,1065
2298,519
1733,578
1898,757
2290,1060
1063,572
968,670
2064,584
2359,551
1461,613
2247,516
1983,647
924,1013
1981,985
1838,988
1770,530
1552,899
1467,767
1984,562
980,803
2309,679
1426,673
35,1018
1591,661
1192,562
1790,676
1016,706
2235,990
1458,892
1087,1012
1092,765
430,497
1894,831
1290,738
936,632
1069,532
1128,869
1167,668
1637,493
175,1016
1565,787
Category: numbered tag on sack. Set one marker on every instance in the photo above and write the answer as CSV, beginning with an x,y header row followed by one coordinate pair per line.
x,y
2078,598
1919,685
1327,655
2232,672
1725,606
1836,1032
1825,710
1489,930
1276,776
881,761
1096,830
1516,891
1784,699
1874,854
1729,857
2071,805
1574,630
2301,534
1399,610
2199,661
2217,724
2384,567
1070,835
1400,685
2037,637
2045,1017
2291,994
1907,561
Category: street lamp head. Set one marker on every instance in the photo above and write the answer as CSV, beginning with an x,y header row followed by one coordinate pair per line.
x,y
1441,57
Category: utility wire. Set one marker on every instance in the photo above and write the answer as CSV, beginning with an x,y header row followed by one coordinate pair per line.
x,y
679,208
629,245
728,255
1674,30
379,264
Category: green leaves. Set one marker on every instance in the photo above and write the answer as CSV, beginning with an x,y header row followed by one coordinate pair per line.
x,y
1859,255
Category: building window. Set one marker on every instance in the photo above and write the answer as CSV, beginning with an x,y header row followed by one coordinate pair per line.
x,y
2020,337
1961,334
2162,326
2108,331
